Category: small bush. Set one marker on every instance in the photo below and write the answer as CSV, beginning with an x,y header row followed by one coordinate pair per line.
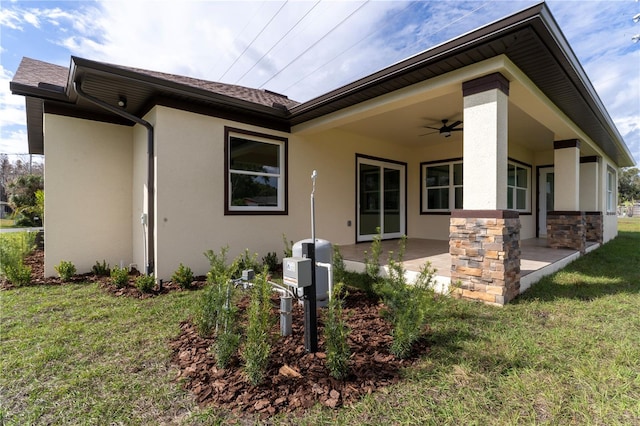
x,y
336,334
183,276
246,261
145,283
66,270
14,247
288,246
258,346
101,269
119,276
18,274
270,261
339,269
408,305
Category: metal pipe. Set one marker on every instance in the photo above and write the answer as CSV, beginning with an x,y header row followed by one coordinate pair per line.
x,y
77,85
314,175
285,316
329,267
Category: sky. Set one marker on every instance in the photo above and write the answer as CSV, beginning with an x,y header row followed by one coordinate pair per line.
x,y
299,48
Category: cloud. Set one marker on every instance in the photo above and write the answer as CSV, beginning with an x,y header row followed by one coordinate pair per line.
x,y
14,142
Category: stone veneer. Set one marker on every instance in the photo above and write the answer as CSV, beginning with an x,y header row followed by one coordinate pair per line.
x,y
485,255
594,227
566,229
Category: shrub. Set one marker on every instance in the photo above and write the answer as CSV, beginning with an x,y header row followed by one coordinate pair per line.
x,y
101,269
246,261
258,346
408,306
218,312
288,246
66,270
18,274
145,283
270,261
336,333
339,270
183,276
119,276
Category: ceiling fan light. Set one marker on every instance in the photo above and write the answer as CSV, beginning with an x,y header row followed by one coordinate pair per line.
x,y
446,134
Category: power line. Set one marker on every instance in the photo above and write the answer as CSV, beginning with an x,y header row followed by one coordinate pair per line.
x,y
348,48
278,42
315,43
254,39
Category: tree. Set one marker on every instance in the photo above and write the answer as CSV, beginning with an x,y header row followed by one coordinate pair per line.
x,y
26,196
629,185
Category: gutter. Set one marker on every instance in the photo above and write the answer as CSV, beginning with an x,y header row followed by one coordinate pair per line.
x,y
77,85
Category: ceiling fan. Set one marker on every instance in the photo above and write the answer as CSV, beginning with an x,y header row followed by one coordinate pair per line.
x,y
446,129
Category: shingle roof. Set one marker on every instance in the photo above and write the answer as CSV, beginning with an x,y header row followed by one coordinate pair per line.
x,y
35,73
32,72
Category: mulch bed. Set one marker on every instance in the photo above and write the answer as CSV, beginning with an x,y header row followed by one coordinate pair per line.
x,y
295,380
36,261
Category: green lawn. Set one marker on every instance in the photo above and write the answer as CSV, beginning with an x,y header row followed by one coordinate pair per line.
x,y
565,352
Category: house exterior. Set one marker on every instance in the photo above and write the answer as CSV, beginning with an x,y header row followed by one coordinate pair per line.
x,y
153,169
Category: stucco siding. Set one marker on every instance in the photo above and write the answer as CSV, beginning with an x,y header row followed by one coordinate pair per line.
x,y
88,193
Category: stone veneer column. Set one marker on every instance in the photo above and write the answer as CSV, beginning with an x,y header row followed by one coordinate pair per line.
x,y
594,226
567,229
566,226
485,255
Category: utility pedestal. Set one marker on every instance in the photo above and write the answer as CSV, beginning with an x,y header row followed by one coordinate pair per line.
x,y
309,298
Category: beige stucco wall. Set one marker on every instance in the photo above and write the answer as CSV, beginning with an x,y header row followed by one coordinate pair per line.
x,y
88,193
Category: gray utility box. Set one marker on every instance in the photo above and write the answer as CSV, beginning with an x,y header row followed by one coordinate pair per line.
x,y
324,254
296,271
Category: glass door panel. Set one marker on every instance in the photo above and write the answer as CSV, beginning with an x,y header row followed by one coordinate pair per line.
x,y
381,199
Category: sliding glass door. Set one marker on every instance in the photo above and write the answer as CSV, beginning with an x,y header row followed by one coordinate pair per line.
x,y
381,199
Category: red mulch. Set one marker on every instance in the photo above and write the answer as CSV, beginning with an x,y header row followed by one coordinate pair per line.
x,y
371,366
295,380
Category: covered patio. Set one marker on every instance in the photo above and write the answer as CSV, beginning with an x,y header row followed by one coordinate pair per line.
x,y
537,258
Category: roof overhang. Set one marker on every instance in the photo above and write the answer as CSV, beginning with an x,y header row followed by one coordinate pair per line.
x,y
530,39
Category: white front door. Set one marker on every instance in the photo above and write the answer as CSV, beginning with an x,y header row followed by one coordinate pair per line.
x,y
545,198
381,199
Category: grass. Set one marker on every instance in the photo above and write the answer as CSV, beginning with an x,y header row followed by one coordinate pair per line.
x,y
7,223
564,353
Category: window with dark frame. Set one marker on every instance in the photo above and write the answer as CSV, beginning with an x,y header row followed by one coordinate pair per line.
x,y
441,186
518,187
255,166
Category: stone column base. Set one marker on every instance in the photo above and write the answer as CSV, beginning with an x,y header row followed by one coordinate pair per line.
x,y
594,226
566,229
485,255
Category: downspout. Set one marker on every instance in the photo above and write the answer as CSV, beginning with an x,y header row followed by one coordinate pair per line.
x,y
77,85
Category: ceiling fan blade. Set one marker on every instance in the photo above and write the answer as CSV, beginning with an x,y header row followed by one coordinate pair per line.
x,y
433,128
456,124
430,133
456,130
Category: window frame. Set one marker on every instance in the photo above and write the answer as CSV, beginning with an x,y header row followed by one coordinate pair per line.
x,y
514,188
283,184
424,199
611,199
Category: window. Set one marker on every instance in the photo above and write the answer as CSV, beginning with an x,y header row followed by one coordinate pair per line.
x,y
441,186
611,190
518,187
255,165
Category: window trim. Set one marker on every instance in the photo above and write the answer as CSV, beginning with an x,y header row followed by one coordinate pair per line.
x,y
423,185
611,195
283,198
527,167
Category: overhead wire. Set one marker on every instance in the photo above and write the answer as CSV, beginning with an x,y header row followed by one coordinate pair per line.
x,y
350,47
254,39
375,32
278,42
315,43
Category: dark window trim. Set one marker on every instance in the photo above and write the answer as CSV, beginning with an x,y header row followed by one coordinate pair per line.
x,y
522,163
544,166
285,144
357,195
427,163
